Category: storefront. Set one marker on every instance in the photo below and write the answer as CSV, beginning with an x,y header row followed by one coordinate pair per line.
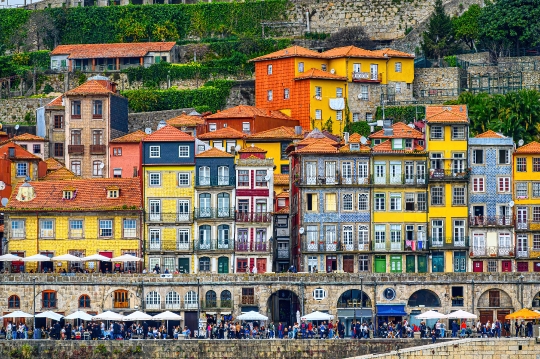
x,y
390,313
347,316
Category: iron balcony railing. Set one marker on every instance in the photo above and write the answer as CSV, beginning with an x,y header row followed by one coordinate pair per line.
x,y
448,175
522,252
244,246
450,242
416,245
527,225
334,180
214,213
214,244
253,217
213,181
283,253
492,251
490,221
169,245
121,304
180,217
334,246
248,299
366,77
216,303
407,180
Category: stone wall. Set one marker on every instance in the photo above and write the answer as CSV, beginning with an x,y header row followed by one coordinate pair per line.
x,y
14,110
242,93
431,82
143,120
467,349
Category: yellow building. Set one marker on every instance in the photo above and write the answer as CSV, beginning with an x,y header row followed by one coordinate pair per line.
x,y
81,217
526,178
447,134
399,200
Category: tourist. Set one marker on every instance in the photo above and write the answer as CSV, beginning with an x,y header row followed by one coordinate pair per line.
x,y
280,330
433,336
530,329
463,329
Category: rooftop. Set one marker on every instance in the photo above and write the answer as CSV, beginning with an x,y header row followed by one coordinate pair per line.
x,y
530,148
57,102
293,51
185,120
214,152
168,133
393,53
281,179
278,133
252,149
490,134
400,130
88,51
225,132
60,175
320,74
386,147
92,87
53,164
132,137
319,146
28,137
244,111
20,153
350,51
447,114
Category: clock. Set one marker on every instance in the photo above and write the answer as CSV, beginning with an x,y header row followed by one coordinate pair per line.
x,y
389,294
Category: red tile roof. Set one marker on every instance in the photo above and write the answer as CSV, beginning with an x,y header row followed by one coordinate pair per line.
x,y
28,137
320,75
284,194
278,133
20,153
393,53
530,148
57,102
226,132
401,130
347,148
350,51
132,137
92,87
489,134
88,51
284,210
318,147
53,164
185,120
90,195
214,152
59,175
252,149
281,179
310,140
447,114
168,133
244,111
293,51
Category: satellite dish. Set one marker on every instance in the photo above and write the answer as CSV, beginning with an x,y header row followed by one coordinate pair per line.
x,y
521,142
161,124
267,178
301,230
2,185
102,165
332,71
359,96
4,202
238,148
511,203
148,130
16,127
363,140
411,125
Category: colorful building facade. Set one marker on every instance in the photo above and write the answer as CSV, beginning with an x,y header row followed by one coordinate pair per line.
x,y
125,155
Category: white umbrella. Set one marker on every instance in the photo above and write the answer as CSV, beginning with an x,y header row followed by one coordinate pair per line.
x,y
67,257
461,314
431,314
37,258
108,315
126,258
95,257
252,316
9,258
317,316
50,315
79,315
18,314
138,315
167,316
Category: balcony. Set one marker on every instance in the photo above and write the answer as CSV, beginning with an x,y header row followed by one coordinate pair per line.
x,y
522,252
492,251
334,246
254,217
202,181
283,253
448,175
248,299
402,180
490,221
76,149
214,213
448,243
214,244
457,302
252,246
216,304
333,180
169,217
416,246
97,149
169,245
121,303
366,77
527,225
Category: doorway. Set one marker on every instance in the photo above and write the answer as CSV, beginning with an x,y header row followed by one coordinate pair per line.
x,y
348,264
282,306
47,266
183,265
223,265
106,267
331,264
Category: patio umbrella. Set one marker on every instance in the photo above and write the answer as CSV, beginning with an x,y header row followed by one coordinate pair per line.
x,y
461,314
252,316
37,258
10,258
67,257
50,315
18,314
95,257
431,314
136,316
524,314
79,315
317,316
108,315
167,316
126,258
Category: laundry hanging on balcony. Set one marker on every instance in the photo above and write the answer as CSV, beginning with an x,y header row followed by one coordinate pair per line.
x,y
337,104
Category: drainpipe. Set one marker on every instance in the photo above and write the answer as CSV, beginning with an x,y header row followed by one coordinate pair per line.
x,y
472,290
521,290
142,295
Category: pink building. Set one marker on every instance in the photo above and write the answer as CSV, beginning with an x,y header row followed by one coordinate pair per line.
x,y
125,155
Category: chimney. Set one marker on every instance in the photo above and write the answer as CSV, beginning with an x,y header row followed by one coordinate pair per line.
x,y
346,137
298,130
26,193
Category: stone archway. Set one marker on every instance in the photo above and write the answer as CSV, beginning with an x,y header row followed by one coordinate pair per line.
x,y
282,307
536,301
494,304
425,298
353,306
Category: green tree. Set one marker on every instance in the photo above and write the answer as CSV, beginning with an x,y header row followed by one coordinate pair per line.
x,y
360,127
467,26
519,115
439,40
165,31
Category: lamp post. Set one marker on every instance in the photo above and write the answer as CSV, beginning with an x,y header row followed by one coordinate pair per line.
x,y
198,306
34,281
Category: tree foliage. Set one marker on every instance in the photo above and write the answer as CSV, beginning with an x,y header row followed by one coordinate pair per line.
x,y
439,40
467,27
347,36
360,127
405,114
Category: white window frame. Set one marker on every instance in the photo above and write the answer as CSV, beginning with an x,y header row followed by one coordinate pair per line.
x,y
154,151
318,114
503,184
269,69
129,228
183,151
18,228
184,179
319,294
154,179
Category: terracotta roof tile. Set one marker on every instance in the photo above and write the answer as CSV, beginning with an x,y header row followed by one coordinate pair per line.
x,y
318,147
350,51
347,148
281,179
311,140
90,195
53,164
28,137
278,133
284,194
489,134
92,87
225,132
284,210
20,153
393,53
293,51
244,111
88,51
168,133
185,120
447,114
530,148
252,149
355,138
386,147
60,175
401,130
132,137
214,152
57,102
321,75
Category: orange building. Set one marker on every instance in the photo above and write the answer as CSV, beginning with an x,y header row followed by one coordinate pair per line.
x,y
125,155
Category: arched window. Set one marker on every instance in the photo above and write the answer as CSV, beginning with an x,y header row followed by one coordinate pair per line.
x,y
363,202
425,298
223,236
204,236
84,301
14,302
204,176
48,299
226,299
172,300
204,205
224,204
153,300
204,264
190,300
211,299
223,175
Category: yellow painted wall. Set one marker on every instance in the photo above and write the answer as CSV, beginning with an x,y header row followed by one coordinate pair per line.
x,y
446,145
328,92
273,151
309,63
407,70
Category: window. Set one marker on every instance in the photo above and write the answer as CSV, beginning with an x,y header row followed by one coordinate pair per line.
x,y
76,167
76,228
478,157
459,196
536,164
76,137
183,179
154,178
14,302
492,266
458,133
330,202
286,94
504,158
318,91
319,294
397,67
117,173
243,178
285,169
36,149
395,236
347,202
437,133
478,184
339,115
363,237
398,87
105,227
421,201
408,143
204,264
97,168
357,67
97,109
409,201
75,109
323,67
536,214
364,92
300,67
182,239
212,127
284,146
97,137
155,151
356,117
380,201
130,228
269,69
112,193
536,242
521,190
318,114
17,228
84,301
117,151
536,189
369,116
459,232
380,236
437,231
58,122
281,202
48,299
155,239
260,178
339,92
363,263
269,95
46,228
363,202
246,127
395,201
437,196
521,164
22,169
312,199
58,150
183,151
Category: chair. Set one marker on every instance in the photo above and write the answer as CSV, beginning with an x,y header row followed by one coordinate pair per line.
x,y
86,336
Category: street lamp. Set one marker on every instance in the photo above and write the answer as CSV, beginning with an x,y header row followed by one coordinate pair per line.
x,y
34,281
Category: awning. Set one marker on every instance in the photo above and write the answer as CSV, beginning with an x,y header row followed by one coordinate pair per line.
x,y
391,310
211,313
225,313
351,313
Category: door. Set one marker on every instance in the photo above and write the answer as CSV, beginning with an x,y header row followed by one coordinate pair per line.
x,y
374,71
191,321
204,205
522,247
380,173
311,172
330,172
348,264
501,317
395,173
155,210
409,172
48,266
421,172
183,265
437,262
261,265
346,172
460,261
363,173
380,264
331,264
486,315
521,218
223,265
224,204
478,266
395,264
410,264
183,210
506,266
479,244
105,267
422,264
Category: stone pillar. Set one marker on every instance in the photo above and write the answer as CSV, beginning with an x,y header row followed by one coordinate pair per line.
x,y
213,264
118,64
